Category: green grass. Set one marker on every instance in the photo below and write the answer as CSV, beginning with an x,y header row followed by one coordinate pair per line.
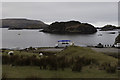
x,y
75,51
116,55
22,53
69,53
30,52
16,52
27,71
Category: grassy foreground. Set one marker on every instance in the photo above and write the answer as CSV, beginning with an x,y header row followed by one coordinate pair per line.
x,y
34,71
87,53
72,62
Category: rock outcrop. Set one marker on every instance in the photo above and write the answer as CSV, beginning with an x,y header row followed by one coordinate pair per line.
x,y
70,27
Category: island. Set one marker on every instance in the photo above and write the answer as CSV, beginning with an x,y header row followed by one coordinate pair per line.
x,y
109,28
70,27
19,23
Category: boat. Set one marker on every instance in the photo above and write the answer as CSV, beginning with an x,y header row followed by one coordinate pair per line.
x,y
18,33
111,32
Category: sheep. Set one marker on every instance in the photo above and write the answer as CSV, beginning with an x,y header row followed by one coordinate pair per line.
x,y
11,53
40,54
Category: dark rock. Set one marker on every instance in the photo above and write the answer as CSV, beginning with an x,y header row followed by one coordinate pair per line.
x,y
70,27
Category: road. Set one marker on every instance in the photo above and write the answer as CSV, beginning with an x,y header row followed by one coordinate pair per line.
x,y
105,50
52,49
110,50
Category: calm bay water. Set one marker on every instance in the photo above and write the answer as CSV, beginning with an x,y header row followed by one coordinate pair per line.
x,y
34,38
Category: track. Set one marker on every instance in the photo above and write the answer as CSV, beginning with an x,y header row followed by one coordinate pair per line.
x,y
105,50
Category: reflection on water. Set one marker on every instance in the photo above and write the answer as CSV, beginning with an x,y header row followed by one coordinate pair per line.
x,y
26,38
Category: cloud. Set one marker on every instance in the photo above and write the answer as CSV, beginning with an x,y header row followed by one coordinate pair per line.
x,y
59,0
92,12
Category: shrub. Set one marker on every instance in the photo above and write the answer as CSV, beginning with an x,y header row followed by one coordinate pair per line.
x,y
108,67
62,63
52,62
20,60
5,59
32,78
111,69
78,65
4,76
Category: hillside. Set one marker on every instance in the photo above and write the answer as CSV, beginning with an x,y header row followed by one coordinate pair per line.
x,y
73,52
22,24
117,40
72,62
70,27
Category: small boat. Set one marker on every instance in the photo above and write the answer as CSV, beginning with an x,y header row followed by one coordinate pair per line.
x,y
111,32
18,33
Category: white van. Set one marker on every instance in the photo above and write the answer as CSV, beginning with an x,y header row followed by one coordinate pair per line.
x,y
64,43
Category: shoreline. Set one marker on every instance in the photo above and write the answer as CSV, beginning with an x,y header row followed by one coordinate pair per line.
x,y
103,50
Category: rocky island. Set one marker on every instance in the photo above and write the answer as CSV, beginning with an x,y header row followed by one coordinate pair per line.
x,y
108,28
19,23
70,27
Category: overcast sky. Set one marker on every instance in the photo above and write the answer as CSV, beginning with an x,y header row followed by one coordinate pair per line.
x,y
96,13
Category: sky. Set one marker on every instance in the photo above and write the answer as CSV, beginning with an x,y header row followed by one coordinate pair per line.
x,y
59,0
95,13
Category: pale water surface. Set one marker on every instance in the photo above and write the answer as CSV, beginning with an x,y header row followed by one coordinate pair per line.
x,y
34,38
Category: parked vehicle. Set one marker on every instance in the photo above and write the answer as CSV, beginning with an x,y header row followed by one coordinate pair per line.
x,y
64,43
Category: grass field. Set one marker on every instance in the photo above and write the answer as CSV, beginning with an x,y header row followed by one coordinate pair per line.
x,y
29,71
88,53
91,70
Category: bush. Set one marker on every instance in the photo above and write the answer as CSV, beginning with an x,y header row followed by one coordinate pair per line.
x,y
20,60
62,62
78,65
32,78
52,62
110,68
5,59
4,76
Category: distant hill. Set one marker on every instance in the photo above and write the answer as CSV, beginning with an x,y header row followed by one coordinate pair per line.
x,y
22,24
70,27
109,27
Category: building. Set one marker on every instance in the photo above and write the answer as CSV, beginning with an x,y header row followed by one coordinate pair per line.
x,y
100,45
117,45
